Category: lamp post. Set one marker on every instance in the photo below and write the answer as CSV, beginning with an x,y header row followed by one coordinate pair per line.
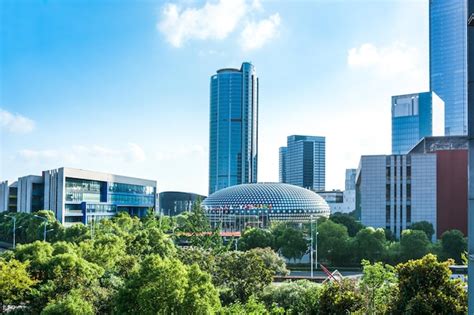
x,y
45,224
14,229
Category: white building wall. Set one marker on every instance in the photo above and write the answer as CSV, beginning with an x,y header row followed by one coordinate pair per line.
x,y
25,192
423,187
372,189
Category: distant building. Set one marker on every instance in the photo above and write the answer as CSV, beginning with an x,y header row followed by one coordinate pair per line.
x,y
350,178
303,162
79,196
415,116
233,137
427,184
175,202
448,60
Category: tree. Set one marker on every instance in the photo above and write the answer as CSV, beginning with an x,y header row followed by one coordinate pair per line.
x,y
241,274
340,298
453,244
290,242
353,226
369,243
425,287
413,244
424,226
271,260
166,286
378,287
333,243
15,282
255,237
291,296
151,241
72,304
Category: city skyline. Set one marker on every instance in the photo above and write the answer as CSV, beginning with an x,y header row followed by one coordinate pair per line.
x,y
118,99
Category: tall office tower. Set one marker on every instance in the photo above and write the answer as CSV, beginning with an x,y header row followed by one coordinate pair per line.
x,y
304,161
282,164
233,139
415,116
448,61
350,179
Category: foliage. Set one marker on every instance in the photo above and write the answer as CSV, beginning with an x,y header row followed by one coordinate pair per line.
x,y
353,226
414,244
241,274
72,304
293,297
290,242
15,282
378,287
254,237
341,297
453,245
271,260
424,226
333,242
425,287
166,286
370,244
251,307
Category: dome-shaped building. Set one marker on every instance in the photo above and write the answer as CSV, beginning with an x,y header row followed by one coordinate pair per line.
x,y
260,203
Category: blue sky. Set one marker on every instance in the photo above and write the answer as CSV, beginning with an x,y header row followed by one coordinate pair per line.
x,y
123,86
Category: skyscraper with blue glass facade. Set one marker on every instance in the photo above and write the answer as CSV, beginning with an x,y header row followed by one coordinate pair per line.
x,y
448,61
233,136
304,162
415,116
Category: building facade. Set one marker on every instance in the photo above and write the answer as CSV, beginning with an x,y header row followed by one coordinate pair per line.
x,y
233,142
304,163
175,202
282,164
415,116
448,60
427,184
350,179
80,196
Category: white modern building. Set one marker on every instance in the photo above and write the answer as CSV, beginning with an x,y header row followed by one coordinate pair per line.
x,y
80,196
342,201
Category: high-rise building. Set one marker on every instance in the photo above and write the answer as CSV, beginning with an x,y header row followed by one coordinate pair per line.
x,y
233,138
415,116
427,184
282,164
448,61
304,162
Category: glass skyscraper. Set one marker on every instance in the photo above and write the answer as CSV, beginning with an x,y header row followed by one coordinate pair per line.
x,y
303,162
233,138
448,61
415,116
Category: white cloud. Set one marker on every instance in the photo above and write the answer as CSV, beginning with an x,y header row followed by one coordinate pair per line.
x,y
15,123
217,20
257,34
212,21
395,59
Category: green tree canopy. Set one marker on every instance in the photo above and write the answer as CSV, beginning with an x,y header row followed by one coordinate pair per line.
x,y
256,237
340,298
333,242
414,244
453,245
353,226
425,287
370,244
290,242
378,287
72,304
15,282
424,226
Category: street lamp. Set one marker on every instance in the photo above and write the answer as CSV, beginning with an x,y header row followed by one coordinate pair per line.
x,y
313,253
14,228
45,224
